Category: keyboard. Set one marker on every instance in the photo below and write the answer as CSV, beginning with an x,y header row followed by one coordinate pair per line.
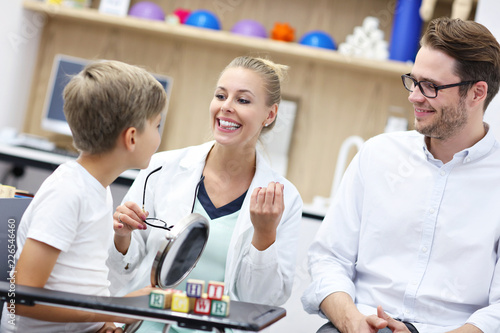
x,y
40,144
53,150
64,152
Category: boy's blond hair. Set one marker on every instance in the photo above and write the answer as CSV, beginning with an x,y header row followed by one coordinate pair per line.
x,y
107,97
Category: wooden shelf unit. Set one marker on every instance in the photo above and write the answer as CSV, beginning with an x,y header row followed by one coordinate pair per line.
x,y
338,96
216,38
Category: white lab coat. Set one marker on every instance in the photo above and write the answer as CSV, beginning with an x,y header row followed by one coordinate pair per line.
x,y
264,277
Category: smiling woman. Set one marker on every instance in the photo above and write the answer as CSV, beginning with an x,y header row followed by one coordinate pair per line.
x,y
254,212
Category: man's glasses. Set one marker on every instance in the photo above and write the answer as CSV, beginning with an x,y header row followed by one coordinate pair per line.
x,y
156,222
428,89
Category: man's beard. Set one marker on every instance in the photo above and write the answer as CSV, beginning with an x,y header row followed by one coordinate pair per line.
x,y
451,120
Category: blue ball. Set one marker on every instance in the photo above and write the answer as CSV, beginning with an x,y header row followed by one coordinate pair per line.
x,y
203,19
318,38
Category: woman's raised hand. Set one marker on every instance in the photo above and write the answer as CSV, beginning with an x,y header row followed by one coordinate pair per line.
x,y
266,208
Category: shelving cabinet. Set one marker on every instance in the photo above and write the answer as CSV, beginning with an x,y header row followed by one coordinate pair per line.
x,y
337,96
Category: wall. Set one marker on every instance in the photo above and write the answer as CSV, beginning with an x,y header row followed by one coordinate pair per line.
x,y
20,36
487,14
19,39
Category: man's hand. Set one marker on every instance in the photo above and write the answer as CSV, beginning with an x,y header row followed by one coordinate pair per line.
x,y
393,324
342,312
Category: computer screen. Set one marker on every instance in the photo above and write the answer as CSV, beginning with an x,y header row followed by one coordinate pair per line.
x,y
63,68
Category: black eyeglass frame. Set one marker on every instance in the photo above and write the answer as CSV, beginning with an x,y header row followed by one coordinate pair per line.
x,y
165,225
435,86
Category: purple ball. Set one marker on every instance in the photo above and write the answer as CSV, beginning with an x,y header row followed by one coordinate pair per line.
x,y
249,28
147,10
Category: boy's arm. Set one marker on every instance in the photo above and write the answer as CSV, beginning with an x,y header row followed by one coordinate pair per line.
x,y
33,269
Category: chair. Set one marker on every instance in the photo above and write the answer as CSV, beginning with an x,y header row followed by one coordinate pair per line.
x,y
11,211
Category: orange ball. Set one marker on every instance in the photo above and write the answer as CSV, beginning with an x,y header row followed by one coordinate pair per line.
x,y
283,32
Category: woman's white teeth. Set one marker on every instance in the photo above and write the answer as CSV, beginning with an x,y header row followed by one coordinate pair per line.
x,y
228,124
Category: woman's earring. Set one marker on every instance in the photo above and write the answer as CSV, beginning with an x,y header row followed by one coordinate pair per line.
x,y
266,125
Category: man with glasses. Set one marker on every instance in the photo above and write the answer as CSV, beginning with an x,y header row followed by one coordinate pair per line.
x,y
411,242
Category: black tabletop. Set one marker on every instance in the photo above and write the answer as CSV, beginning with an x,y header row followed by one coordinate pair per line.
x,y
243,316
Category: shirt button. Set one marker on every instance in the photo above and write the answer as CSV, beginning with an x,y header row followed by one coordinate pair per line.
x,y
414,283
424,249
467,159
432,210
442,173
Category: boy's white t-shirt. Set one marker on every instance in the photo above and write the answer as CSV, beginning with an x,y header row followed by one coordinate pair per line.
x,y
72,212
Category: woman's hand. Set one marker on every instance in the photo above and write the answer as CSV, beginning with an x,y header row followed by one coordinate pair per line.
x,y
266,208
126,219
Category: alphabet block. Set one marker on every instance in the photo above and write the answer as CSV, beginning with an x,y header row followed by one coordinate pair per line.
x,y
202,305
195,288
215,290
180,302
160,299
220,308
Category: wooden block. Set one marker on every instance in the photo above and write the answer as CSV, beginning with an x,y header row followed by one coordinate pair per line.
x,y
202,305
215,290
220,308
160,299
195,288
180,302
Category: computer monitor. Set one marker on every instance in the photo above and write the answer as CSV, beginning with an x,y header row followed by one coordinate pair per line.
x,y
63,68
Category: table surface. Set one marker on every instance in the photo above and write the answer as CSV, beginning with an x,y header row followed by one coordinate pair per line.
x,y
48,160
242,316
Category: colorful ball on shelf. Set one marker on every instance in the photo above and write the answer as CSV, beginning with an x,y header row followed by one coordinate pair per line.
x,y
203,19
283,32
182,14
249,28
318,38
147,10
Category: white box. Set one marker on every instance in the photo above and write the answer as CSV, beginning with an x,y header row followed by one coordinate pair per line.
x,y
114,7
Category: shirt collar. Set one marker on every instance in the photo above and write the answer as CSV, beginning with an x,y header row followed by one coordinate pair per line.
x,y
478,150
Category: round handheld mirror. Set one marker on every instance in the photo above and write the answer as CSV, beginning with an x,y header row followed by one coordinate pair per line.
x,y
179,251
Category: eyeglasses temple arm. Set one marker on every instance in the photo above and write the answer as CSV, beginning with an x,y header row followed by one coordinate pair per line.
x,y
145,183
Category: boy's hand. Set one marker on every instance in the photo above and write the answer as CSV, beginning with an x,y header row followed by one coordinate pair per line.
x,y
110,328
127,218
141,292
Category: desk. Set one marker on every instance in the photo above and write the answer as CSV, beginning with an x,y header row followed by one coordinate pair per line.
x,y
242,316
48,161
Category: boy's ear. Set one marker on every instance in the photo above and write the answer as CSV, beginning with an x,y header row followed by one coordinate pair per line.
x,y
129,137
